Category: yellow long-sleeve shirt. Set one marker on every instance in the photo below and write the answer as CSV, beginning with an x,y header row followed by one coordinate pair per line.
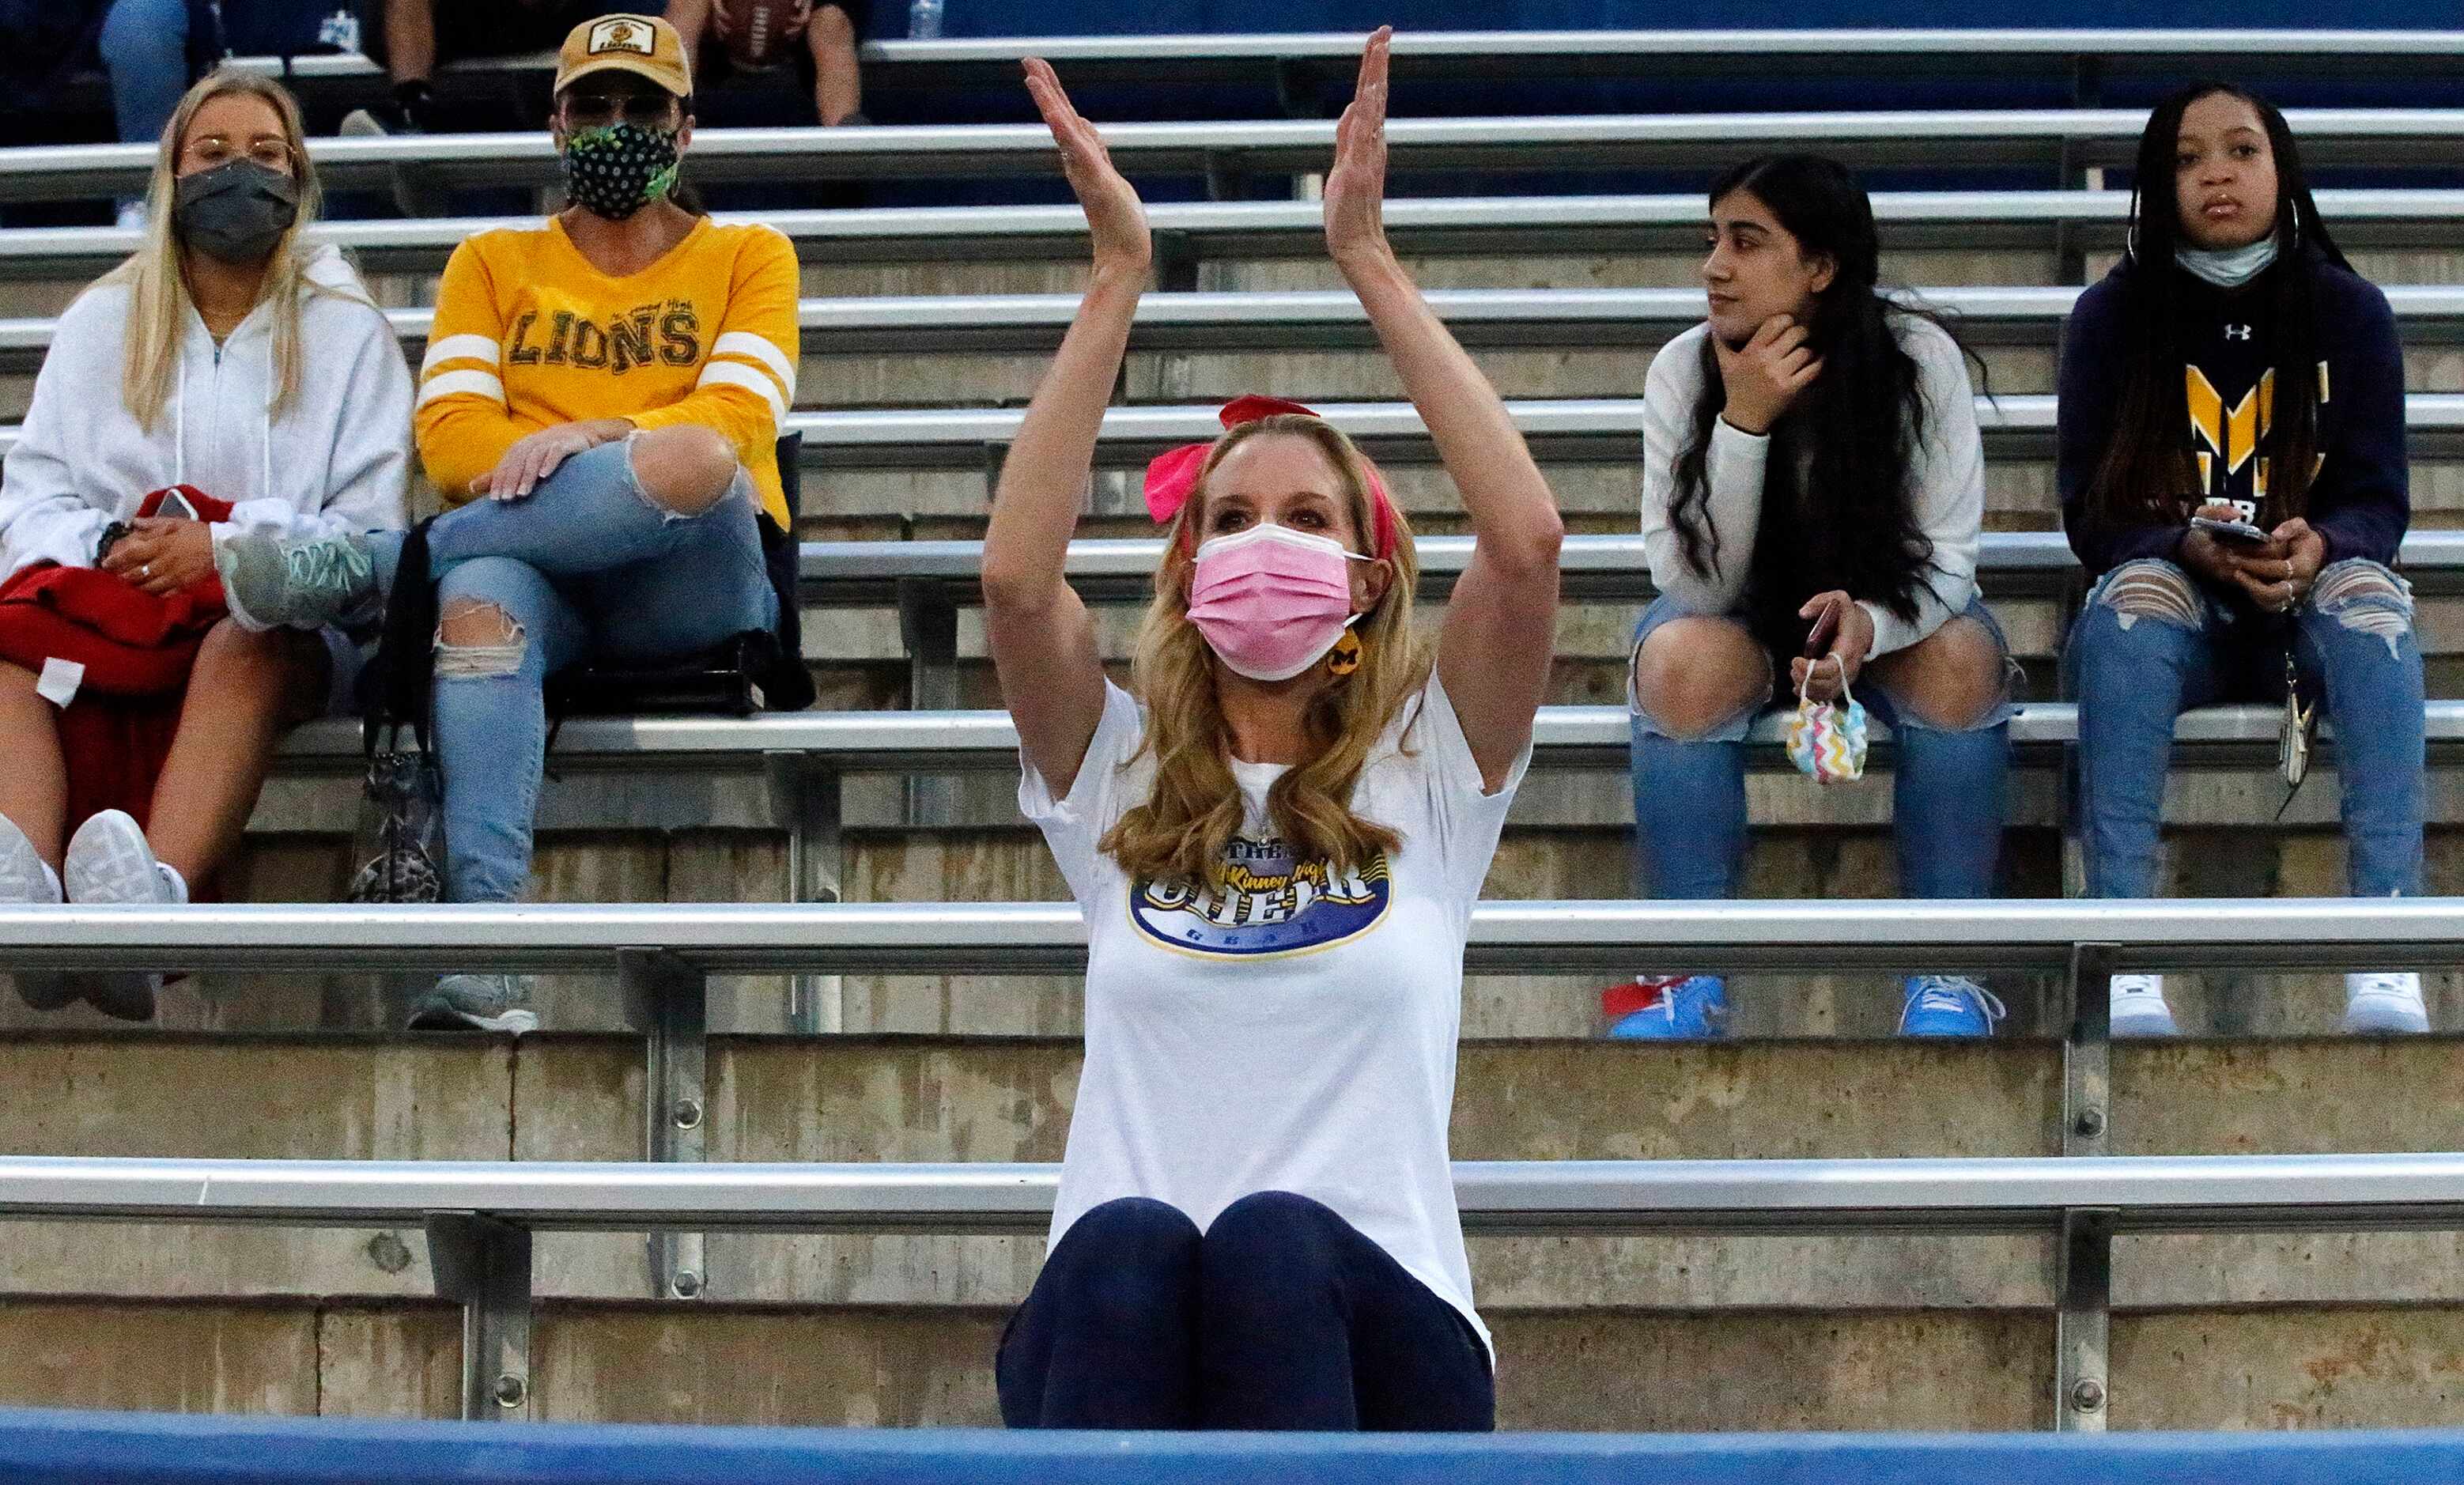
x,y
529,334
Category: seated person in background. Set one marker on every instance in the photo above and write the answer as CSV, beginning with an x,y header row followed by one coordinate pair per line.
x,y
410,37
598,404
1812,485
2234,368
233,355
827,34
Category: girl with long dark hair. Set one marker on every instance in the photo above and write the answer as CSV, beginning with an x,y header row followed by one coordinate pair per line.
x,y
2232,476
1812,485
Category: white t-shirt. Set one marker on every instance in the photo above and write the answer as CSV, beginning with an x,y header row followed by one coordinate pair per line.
x,y
1285,1031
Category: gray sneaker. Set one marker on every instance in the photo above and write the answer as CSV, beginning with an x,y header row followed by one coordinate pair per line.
x,y
477,1002
22,880
270,581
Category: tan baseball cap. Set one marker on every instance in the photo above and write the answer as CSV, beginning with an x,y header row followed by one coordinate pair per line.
x,y
643,45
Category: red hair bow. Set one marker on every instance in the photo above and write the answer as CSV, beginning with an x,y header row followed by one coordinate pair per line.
x,y
1173,474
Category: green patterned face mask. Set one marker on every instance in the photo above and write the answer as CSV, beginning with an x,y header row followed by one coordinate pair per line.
x,y
617,170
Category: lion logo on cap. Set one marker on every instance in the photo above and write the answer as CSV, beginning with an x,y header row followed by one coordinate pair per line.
x,y
622,34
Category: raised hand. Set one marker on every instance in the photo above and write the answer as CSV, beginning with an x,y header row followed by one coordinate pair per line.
x,y
1116,218
1764,377
1355,187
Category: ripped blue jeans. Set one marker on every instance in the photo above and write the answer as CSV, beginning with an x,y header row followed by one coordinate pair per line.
x,y
2153,642
1949,792
586,567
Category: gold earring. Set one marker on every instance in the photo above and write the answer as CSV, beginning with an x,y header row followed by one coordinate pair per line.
x,y
1345,658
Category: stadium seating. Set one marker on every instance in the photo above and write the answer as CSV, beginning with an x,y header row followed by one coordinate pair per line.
x,y
925,1032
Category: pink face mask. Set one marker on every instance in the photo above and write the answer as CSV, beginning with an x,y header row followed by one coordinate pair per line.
x,y
1271,600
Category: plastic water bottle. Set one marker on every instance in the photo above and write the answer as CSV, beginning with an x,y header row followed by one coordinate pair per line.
x,y
340,31
923,20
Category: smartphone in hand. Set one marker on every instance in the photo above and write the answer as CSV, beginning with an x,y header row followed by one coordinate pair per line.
x,y
2242,531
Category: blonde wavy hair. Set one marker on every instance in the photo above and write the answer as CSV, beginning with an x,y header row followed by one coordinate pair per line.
x,y
158,290
1180,832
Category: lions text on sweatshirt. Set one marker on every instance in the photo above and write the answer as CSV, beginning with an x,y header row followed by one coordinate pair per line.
x,y
529,334
2357,498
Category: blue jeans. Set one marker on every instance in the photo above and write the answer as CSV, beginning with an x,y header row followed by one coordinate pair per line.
x,y
1950,792
2153,642
145,46
585,568
1280,1316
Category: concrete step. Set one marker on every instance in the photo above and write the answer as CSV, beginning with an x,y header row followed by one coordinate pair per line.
x,y
1549,266
863,379
1808,844
1861,1332
2359,1366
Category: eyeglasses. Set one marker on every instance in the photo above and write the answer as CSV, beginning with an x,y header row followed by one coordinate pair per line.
x,y
598,110
217,149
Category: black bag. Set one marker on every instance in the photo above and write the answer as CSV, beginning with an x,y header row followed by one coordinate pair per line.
x,y
400,841
756,671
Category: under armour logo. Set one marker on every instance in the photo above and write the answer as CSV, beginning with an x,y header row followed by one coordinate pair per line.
x,y
2236,332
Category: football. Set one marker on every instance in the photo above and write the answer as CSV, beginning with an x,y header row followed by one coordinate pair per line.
x,y
759,33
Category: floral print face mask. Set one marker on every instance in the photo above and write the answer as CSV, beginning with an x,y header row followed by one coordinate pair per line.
x,y
1826,740
617,170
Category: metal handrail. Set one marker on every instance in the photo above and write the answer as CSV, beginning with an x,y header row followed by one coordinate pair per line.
x,y
1609,427
2048,137
1287,319
2168,1194
1527,937
1212,229
1612,425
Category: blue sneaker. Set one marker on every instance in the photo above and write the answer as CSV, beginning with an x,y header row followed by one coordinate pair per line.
x,y
1672,1008
1949,1005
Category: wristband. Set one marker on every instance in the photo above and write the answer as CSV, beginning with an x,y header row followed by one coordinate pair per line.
x,y
111,535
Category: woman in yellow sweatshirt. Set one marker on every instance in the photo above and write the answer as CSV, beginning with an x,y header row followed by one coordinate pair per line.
x,y
597,406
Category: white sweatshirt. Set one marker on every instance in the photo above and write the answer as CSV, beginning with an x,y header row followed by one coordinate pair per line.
x,y
337,460
1945,485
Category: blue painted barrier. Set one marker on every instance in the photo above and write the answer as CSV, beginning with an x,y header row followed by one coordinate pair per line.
x,y
63,1448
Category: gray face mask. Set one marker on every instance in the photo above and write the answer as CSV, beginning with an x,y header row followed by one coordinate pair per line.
x,y
236,211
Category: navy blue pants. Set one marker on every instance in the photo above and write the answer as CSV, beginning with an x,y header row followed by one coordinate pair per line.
x,y
1280,1315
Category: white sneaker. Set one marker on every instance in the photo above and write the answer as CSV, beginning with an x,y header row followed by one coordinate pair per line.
x,y
109,862
2385,1003
2139,1008
27,880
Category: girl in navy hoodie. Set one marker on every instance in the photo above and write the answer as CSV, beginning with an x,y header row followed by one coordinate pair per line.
x,y
2232,465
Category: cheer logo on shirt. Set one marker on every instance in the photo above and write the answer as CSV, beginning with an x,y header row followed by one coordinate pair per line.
x,y
1264,904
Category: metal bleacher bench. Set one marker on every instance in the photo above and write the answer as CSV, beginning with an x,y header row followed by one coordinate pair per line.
x,y
1297,319
481,1217
1189,232
1606,430
2059,145
2083,57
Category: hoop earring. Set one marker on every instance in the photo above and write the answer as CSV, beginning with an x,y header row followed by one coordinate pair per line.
x,y
1345,656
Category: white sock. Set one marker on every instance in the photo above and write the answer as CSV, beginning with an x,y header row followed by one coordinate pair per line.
x,y
178,882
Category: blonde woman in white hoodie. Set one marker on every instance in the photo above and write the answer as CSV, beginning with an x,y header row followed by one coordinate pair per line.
x,y
233,354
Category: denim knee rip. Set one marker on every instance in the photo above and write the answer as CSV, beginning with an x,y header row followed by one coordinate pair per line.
x,y
479,661
2150,589
1734,728
2367,598
740,485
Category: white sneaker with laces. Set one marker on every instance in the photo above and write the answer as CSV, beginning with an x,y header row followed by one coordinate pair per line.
x,y
2139,1008
2385,1002
108,862
26,879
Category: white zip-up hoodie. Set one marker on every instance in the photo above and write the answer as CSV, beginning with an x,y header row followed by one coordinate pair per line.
x,y
337,460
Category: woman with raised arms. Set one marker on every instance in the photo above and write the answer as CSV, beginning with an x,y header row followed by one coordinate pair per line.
x,y
1276,836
